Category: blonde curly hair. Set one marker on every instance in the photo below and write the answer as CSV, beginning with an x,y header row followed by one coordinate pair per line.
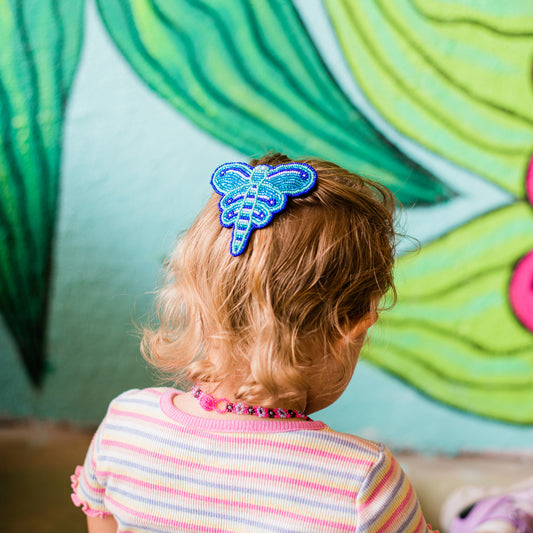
x,y
304,280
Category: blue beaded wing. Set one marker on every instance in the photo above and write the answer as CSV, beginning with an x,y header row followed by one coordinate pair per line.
x,y
252,195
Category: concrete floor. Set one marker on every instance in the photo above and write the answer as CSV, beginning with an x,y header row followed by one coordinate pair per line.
x,y
36,460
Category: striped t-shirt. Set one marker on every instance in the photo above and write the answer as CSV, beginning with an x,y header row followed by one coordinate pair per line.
x,y
158,469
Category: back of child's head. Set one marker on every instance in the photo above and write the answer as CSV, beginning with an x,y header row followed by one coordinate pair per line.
x,y
266,317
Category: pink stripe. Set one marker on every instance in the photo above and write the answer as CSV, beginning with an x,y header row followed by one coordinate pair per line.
x,y
86,509
80,471
75,481
224,502
97,491
155,392
226,471
397,511
421,524
256,442
166,521
378,487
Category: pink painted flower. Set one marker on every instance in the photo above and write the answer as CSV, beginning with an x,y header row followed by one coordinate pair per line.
x,y
521,286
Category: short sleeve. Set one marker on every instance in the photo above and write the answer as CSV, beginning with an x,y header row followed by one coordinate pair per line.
x,y
386,502
88,492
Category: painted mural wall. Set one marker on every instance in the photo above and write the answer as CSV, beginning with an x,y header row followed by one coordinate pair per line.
x,y
113,114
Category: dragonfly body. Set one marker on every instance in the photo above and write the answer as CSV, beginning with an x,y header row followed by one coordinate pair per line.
x,y
252,195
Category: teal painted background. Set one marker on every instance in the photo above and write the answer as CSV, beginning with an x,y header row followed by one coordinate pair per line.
x,y
135,167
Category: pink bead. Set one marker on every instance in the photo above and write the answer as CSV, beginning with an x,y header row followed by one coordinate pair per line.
x,y
221,411
207,402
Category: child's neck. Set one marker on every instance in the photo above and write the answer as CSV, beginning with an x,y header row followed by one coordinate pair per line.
x,y
226,390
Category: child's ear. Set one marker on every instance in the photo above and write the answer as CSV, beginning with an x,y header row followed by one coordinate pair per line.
x,y
362,325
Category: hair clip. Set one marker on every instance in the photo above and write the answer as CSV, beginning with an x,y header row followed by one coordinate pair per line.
x,y
252,195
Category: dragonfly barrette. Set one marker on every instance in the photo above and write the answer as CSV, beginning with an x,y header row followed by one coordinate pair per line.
x,y
252,195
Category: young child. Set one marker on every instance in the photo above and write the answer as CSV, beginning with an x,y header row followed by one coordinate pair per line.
x,y
267,319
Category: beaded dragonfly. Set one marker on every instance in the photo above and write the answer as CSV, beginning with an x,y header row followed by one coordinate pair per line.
x,y
252,195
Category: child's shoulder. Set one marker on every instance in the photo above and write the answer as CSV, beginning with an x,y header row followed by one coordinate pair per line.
x,y
141,394
137,400
357,447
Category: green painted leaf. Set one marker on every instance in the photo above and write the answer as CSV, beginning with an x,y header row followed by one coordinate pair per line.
x,y
453,334
455,75
39,49
248,73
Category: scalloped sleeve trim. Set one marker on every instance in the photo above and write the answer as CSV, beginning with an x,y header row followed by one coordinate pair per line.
x,y
78,502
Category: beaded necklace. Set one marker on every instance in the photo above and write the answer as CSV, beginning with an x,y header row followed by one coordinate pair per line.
x,y
209,403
